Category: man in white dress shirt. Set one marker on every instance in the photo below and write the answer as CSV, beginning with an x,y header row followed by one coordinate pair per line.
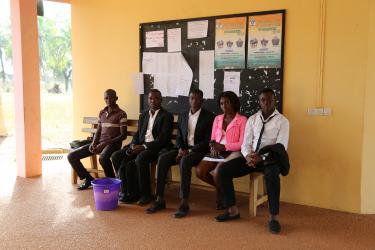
x,y
133,161
267,127
192,143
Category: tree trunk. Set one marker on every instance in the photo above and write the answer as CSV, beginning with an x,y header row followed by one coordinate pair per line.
x,y
2,66
66,80
67,75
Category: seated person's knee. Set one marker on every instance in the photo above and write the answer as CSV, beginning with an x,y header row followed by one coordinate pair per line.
x,y
184,163
102,159
139,160
221,170
70,156
200,173
271,172
218,167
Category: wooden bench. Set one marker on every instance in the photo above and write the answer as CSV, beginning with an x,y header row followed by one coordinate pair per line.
x,y
93,122
256,198
132,126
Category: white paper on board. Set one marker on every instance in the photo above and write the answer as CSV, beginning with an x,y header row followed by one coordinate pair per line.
x,y
155,39
206,73
174,40
137,79
186,77
197,29
160,83
232,81
162,65
172,74
149,62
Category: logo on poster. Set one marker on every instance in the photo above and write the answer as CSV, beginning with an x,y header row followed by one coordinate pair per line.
x,y
252,22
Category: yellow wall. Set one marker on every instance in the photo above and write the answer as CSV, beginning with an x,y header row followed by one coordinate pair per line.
x,y
326,152
368,169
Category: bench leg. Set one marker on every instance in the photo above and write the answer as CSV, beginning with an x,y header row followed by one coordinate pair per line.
x,y
94,164
73,177
169,178
253,195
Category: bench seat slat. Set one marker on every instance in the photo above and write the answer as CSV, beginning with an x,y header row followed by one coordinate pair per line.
x,y
89,130
90,120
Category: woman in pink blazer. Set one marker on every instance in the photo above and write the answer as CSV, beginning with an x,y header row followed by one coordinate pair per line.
x,y
226,139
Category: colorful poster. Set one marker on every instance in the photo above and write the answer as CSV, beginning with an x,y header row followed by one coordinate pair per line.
x,y
264,46
230,43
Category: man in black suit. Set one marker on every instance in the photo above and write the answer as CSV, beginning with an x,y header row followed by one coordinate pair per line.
x,y
193,136
133,161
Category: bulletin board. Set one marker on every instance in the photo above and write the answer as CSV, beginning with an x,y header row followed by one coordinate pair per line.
x,y
260,66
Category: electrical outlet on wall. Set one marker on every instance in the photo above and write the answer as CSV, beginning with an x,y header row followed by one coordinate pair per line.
x,y
315,111
327,111
319,111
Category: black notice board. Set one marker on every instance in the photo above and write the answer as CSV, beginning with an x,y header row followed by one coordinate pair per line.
x,y
252,80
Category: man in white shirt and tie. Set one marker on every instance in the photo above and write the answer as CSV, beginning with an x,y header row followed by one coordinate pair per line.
x,y
192,144
267,127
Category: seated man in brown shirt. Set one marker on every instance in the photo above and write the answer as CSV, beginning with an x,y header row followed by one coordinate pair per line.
x,y
108,139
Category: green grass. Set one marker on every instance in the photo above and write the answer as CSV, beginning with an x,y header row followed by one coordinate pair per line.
x,y
56,116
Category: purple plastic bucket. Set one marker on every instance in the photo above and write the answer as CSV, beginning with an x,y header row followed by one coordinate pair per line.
x,y
106,193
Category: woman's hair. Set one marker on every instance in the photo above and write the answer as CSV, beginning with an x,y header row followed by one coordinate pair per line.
x,y
233,99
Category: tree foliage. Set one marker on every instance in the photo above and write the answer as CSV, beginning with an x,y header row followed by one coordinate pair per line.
x,y
55,52
5,48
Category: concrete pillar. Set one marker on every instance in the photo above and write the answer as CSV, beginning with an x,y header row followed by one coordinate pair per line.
x,y
27,87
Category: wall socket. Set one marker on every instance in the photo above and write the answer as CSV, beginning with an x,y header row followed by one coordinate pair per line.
x,y
319,111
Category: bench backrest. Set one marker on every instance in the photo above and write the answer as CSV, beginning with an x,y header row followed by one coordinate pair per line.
x,y
132,126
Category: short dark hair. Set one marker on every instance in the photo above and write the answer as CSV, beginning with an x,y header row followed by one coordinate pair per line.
x,y
197,92
156,91
111,92
267,90
233,99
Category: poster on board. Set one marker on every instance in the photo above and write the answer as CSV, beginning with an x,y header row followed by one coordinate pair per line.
x,y
230,43
264,41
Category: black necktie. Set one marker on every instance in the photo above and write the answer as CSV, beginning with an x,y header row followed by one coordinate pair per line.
x,y
261,132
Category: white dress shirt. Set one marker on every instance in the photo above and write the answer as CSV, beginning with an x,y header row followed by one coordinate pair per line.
x,y
149,137
276,130
223,137
193,119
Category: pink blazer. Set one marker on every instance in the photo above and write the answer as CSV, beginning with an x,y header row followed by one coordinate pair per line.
x,y
234,133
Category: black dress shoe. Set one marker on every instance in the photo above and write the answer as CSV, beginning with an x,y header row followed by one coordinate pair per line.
x,y
157,206
86,184
128,199
182,211
226,216
274,226
144,200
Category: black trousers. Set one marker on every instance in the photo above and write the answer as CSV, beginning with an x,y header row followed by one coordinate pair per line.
x,y
134,171
166,160
237,168
75,157
127,171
